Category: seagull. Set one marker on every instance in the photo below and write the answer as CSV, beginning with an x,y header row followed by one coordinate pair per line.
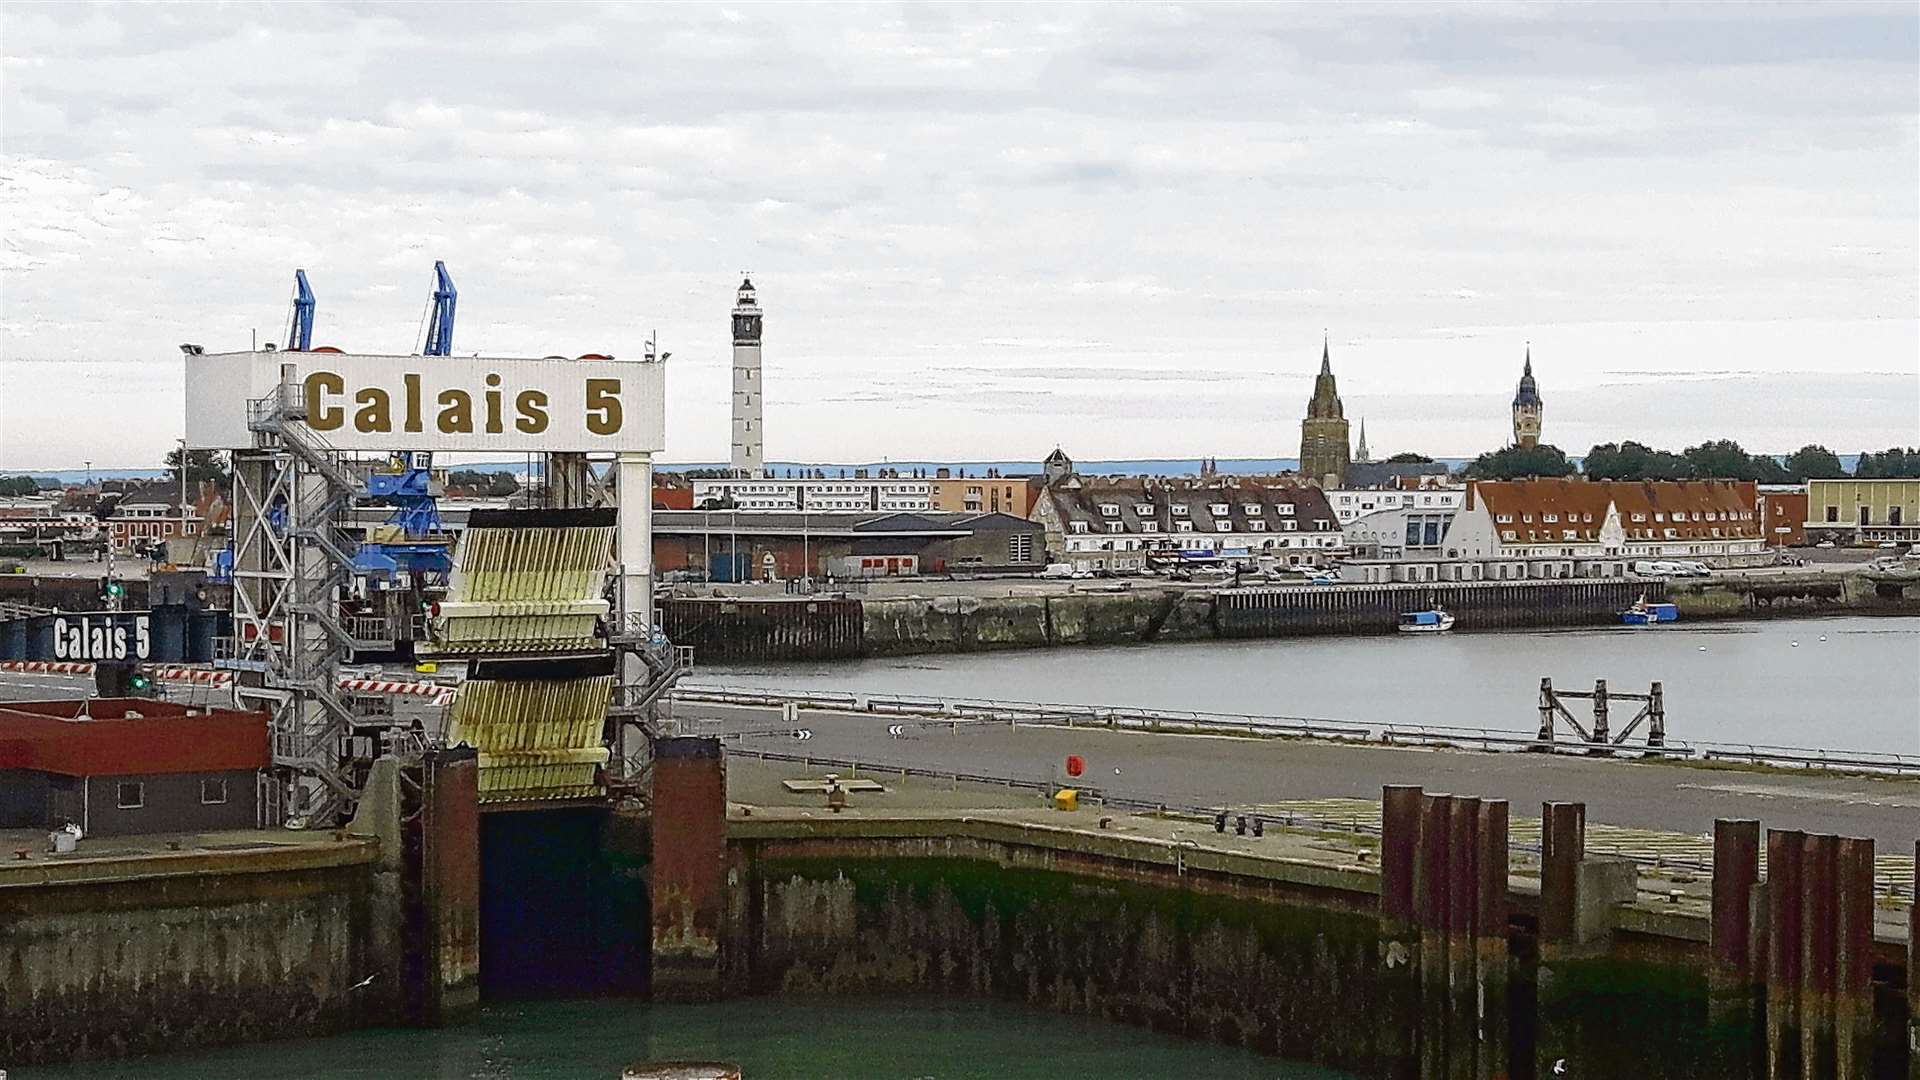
x,y
1560,1067
363,983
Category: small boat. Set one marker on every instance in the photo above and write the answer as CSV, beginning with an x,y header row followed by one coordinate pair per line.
x,y
1645,614
1435,621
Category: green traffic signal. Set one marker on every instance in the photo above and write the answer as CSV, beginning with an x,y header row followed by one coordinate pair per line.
x,y
114,588
139,681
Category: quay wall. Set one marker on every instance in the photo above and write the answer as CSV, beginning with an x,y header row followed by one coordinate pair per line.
x,y
1430,960
724,630
158,953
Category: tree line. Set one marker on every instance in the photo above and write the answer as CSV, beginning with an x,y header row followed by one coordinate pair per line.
x,y
1716,459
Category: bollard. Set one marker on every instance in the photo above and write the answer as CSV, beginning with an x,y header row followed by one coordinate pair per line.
x,y
1784,959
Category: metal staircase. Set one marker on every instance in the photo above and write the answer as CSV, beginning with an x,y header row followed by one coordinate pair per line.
x,y
290,637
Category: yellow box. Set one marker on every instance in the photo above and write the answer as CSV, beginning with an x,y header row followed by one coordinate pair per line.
x,y
1066,799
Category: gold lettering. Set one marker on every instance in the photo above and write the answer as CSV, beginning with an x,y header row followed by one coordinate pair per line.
x,y
376,411
493,404
456,412
603,406
320,415
532,405
412,381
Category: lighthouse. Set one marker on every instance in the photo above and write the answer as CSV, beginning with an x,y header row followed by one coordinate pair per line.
x,y
749,450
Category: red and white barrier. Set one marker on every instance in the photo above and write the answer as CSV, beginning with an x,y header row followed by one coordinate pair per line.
x,y
181,673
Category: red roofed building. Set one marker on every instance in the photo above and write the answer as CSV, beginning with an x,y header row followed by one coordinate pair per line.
x,y
117,766
1587,519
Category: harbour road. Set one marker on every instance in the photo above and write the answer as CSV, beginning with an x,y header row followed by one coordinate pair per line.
x,y
1246,773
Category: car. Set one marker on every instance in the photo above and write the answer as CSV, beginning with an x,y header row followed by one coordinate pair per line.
x,y
1824,544
1888,545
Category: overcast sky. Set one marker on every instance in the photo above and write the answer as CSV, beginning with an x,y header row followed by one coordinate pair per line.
x,y
981,231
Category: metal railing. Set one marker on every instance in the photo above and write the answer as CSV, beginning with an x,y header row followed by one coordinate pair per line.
x,y
952,711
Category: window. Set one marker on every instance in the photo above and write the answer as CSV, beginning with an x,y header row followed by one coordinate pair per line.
x,y
1833,514
1144,510
1504,519
1257,526
1183,526
1866,516
1179,509
1109,509
1550,518
1217,509
1250,509
1289,526
133,795
1506,534
1223,525
1284,509
1116,527
213,791
1079,526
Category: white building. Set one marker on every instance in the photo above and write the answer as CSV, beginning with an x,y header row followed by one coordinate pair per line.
x,y
824,496
1351,504
749,448
1116,523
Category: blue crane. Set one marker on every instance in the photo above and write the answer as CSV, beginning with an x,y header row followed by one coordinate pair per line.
x,y
440,328
300,327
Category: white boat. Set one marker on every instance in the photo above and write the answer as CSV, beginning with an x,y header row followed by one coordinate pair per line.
x,y
1435,621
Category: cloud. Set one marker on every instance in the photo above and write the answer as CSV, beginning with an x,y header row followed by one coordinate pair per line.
x,y
981,229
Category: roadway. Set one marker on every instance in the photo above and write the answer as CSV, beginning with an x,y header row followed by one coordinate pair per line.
x,y
1249,773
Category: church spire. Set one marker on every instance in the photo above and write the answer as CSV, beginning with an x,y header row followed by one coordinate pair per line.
x,y
1326,358
1360,452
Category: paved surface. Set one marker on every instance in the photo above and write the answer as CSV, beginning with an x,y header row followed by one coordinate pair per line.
x,y
1247,773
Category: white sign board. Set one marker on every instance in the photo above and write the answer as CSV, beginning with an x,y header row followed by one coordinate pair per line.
x,y
389,403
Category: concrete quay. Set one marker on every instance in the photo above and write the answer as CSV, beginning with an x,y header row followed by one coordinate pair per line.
x,y
971,617
1460,939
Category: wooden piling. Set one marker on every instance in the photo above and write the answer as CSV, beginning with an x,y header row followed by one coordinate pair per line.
x,y
1400,1032
1817,935
1784,951
1463,906
1490,941
1732,981
1563,845
1853,959
1913,971
1431,907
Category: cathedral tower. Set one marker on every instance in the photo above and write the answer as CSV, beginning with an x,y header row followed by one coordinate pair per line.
x,y
1527,407
1324,446
749,450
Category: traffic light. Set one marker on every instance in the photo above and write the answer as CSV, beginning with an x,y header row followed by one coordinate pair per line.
x,y
115,590
139,683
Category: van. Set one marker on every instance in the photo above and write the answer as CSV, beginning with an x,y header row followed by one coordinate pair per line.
x,y
1057,570
1650,568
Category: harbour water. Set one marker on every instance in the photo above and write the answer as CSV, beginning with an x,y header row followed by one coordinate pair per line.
x,y
770,1039
1837,683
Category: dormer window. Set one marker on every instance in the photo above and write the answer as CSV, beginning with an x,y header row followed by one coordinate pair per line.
x,y
1504,519
1289,526
1250,509
1116,527
1550,518
1079,526
1257,526
1284,509
1217,509
1109,509
1179,509
1223,525
1183,526
1528,518
1144,510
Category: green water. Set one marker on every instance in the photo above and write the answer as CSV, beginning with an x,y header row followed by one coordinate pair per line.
x,y
769,1039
